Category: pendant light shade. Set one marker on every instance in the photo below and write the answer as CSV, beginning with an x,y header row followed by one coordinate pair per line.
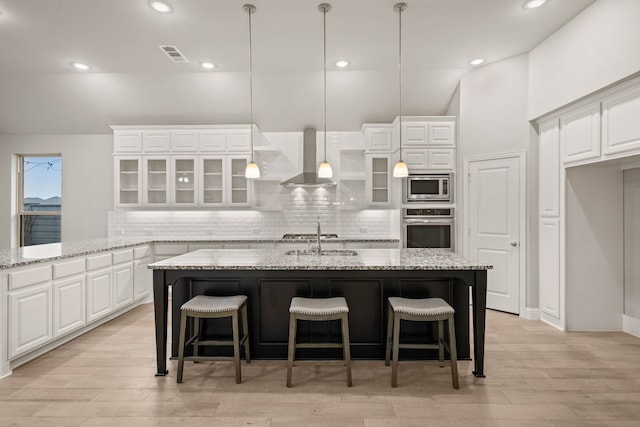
x,y
252,171
400,169
325,170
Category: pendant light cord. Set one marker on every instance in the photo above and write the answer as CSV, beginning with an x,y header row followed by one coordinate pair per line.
x,y
400,7
325,7
250,9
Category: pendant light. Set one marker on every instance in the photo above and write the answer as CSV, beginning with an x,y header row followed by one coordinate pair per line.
x,y
400,169
252,170
325,171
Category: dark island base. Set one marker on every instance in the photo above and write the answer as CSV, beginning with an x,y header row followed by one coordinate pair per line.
x,y
270,292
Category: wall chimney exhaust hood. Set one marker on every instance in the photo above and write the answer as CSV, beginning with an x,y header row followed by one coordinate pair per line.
x,y
309,176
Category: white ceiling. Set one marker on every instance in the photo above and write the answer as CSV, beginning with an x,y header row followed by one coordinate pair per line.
x,y
133,82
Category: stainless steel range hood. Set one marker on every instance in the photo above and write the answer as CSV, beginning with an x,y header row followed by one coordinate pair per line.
x,y
309,175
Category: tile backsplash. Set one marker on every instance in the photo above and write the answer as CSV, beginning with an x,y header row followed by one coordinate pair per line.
x,y
301,208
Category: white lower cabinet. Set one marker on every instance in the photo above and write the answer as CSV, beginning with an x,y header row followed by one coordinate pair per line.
x,y
122,285
98,293
30,319
551,292
69,304
142,276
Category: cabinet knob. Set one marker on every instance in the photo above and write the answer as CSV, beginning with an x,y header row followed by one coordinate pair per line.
x,y
514,244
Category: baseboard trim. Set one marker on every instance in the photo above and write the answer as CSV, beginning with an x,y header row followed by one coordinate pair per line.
x,y
531,313
631,325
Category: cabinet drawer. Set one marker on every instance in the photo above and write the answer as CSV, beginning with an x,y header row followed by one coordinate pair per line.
x,y
99,261
143,252
29,277
123,256
69,268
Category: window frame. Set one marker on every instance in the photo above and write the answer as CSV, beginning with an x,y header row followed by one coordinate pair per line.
x,y
20,212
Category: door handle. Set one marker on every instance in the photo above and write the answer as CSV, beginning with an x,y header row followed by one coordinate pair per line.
x,y
514,244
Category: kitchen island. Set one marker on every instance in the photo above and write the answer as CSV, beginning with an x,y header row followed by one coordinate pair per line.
x,y
270,278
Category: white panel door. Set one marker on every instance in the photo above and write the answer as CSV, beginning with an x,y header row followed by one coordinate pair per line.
x,y
494,232
549,267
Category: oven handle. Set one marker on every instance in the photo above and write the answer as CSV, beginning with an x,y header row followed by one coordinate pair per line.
x,y
428,221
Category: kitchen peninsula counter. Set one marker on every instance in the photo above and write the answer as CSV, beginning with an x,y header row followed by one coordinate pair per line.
x,y
270,278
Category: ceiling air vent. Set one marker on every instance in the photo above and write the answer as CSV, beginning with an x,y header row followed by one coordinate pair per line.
x,y
173,53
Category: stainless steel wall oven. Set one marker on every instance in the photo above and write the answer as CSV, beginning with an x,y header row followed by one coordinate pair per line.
x,y
428,228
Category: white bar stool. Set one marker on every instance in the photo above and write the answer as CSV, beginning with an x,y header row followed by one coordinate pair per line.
x,y
335,308
208,307
420,310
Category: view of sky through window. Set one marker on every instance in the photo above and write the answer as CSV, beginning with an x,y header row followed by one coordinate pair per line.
x,y
42,177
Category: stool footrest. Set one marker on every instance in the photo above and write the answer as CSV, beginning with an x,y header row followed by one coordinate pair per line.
x,y
419,346
207,358
319,345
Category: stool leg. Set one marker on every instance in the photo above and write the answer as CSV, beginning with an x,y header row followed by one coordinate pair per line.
x,y
389,336
396,350
245,330
236,345
196,333
292,347
441,340
183,328
346,344
453,351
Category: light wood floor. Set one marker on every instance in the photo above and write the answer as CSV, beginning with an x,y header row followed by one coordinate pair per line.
x,y
536,376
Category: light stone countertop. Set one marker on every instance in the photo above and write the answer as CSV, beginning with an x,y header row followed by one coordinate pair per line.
x,y
367,259
17,257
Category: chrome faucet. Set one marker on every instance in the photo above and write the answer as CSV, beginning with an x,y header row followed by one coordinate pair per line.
x,y
318,236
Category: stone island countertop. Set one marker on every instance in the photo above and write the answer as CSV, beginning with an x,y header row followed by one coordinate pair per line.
x,y
17,257
278,259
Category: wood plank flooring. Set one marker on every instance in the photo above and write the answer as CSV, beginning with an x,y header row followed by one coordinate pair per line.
x,y
536,376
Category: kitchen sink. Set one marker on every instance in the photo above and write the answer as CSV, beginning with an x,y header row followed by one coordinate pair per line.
x,y
327,252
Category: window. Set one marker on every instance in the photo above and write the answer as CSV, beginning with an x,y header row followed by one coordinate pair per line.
x,y
39,199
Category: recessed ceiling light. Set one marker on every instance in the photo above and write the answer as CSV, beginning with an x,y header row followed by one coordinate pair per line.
x,y
532,4
160,6
80,66
476,61
208,65
341,63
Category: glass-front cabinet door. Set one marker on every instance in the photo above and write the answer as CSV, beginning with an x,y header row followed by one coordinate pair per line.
x,y
239,193
156,181
212,188
378,179
128,181
184,182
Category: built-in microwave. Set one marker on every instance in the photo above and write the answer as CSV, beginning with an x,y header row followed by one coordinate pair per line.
x,y
429,188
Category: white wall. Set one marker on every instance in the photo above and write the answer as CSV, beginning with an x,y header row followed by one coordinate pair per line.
x,y
493,120
632,242
594,50
87,181
594,248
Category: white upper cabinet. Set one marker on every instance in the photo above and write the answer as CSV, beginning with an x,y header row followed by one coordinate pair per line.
x,y
239,141
127,141
441,158
442,134
549,168
156,141
156,181
128,177
183,188
212,181
378,138
621,122
424,134
184,141
212,141
580,134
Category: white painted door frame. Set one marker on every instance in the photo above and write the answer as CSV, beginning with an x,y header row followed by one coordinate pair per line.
x,y
524,247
